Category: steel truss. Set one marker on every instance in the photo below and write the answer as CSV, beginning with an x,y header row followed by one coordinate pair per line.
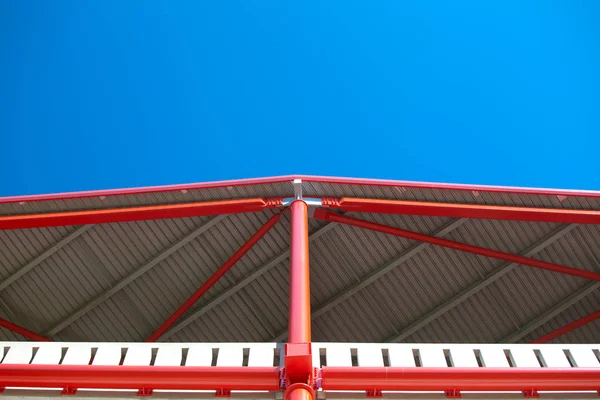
x,y
298,377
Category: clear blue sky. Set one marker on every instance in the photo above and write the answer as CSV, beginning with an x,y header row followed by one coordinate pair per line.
x,y
106,94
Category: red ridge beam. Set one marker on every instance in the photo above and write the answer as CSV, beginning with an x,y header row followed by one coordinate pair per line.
x,y
214,278
568,328
23,331
482,251
470,211
126,214
139,377
461,379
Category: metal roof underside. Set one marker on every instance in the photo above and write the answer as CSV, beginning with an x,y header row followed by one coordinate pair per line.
x,y
120,281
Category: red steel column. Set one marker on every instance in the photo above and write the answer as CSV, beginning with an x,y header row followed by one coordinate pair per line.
x,y
299,311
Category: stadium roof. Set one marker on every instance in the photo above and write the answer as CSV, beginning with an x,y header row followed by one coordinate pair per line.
x,y
113,265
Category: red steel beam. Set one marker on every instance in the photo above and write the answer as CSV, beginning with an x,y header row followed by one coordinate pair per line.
x,y
23,331
136,213
461,379
139,377
470,211
568,328
214,278
333,217
298,364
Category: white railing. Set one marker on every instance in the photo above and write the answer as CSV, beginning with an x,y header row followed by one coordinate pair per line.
x,y
330,354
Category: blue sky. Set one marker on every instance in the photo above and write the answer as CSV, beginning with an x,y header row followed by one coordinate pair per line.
x,y
108,94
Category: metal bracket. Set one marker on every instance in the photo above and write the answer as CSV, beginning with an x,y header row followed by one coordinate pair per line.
x,y
143,392
297,188
374,393
453,394
68,391
531,394
223,393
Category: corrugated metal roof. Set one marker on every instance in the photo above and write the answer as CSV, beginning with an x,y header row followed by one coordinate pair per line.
x,y
120,281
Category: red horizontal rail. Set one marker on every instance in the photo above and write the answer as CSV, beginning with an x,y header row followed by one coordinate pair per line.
x,y
23,331
218,274
125,214
569,327
470,211
465,379
146,377
333,217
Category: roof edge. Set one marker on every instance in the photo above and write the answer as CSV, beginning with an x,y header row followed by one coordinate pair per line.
x,y
306,178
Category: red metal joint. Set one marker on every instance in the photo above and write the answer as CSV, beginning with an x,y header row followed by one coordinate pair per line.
x,y
374,393
68,391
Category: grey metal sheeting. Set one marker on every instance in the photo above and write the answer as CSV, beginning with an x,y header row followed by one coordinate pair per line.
x,y
83,268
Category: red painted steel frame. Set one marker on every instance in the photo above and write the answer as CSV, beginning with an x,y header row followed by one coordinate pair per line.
x,y
299,308
568,328
23,331
465,379
333,217
214,278
136,213
144,377
470,211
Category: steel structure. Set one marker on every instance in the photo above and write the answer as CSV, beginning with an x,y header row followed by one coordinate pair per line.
x,y
300,369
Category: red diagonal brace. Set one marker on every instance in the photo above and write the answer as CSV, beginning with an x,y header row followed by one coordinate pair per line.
x,y
23,331
458,210
568,328
214,278
333,217
137,213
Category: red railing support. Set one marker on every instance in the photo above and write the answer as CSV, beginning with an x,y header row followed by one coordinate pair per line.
x,y
126,214
23,331
568,328
214,278
333,217
470,211
143,377
298,361
459,379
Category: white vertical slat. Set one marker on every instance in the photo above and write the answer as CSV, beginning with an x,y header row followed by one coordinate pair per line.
x,y
261,355
369,355
432,356
107,354
48,354
18,354
168,356
493,357
339,355
230,355
401,355
584,357
524,357
463,356
316,354
78,354
554,357
199,356
138,355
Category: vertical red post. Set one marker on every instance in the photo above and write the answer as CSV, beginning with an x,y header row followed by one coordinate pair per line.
x,y
299,368
299,312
